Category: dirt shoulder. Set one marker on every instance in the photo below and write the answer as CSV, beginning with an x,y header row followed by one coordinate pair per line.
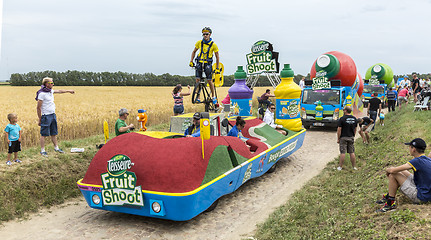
x,y
235,217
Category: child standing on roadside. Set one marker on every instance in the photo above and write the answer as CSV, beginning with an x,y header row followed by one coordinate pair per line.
x,y
13,133
382,118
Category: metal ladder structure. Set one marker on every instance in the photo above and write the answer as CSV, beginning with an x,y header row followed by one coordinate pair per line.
x,y
273,78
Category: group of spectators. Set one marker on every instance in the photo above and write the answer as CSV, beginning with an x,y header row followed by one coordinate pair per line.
x,y
47,122
412,88
416,186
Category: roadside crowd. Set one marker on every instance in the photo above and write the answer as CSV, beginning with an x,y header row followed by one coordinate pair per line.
x,y
416,186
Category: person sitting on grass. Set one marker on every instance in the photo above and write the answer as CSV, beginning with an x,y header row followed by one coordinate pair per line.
x,y
13,134
269,119
417,186
120,126
364,128
194,130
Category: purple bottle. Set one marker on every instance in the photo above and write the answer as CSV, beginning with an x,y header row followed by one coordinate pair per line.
x,y
240,95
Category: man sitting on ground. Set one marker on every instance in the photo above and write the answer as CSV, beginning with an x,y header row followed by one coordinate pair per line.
x,y
417,186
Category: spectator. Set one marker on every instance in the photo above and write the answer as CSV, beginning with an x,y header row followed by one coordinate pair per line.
x,y
239,125
120,125
302,83
13,134
382,119
46,114
392,99
269,119
346,137
407,82
194,129
417,186
403,96
264,99
402,83
178,99
364,128
375,107
416,87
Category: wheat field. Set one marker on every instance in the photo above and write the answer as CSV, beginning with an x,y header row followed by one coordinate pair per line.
x,y
82,114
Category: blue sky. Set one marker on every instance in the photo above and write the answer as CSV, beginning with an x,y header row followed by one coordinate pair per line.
x,y
159,36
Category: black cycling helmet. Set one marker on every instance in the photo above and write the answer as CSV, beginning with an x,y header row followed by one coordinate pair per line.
x,y
206,29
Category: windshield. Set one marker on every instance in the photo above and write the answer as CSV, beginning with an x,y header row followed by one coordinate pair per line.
x,y
327,97
374,88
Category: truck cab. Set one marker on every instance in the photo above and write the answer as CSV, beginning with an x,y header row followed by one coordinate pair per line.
x,y
332,99
369,88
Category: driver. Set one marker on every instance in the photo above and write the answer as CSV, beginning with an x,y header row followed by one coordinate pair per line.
x,y
194,129
208,49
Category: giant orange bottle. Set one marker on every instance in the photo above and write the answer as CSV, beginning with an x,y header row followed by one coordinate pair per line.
x,y
288,95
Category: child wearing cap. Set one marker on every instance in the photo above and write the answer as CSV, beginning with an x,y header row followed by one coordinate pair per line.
x,y
417,186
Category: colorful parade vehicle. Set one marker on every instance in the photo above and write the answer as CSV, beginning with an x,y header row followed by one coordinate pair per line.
x,y
379,78
166,175
335,84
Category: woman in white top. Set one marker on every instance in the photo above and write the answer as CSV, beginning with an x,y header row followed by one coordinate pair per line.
x,y
269,119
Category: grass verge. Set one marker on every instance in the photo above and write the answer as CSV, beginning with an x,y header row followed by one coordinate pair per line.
x,y
340,204
43,182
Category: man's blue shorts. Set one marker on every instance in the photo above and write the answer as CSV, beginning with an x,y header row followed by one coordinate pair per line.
x,y
48,125
207,69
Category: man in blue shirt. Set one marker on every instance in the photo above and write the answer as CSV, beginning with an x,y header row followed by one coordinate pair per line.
x,y
194,130
417,186
392,99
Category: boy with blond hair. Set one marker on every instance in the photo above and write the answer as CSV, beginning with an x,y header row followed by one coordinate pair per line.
x,y
13,133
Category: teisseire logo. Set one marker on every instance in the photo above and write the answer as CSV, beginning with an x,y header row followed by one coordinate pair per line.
x,y
119,185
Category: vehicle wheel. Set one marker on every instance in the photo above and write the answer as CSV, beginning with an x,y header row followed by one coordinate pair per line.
x,y
213,206
307,126
272,169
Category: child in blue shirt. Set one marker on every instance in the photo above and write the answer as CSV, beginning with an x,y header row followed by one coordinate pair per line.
x,y
13,133
239,125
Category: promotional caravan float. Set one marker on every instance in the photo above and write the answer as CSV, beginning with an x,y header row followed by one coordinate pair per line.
x,y
335,83
378,79
169,176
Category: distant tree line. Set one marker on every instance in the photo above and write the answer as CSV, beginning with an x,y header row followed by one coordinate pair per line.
x,y
82,78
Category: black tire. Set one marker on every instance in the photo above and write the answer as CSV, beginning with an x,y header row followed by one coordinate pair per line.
x,y
213,206
272,169
307,126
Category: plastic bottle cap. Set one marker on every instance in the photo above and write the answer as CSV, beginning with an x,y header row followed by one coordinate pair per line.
x,y
240,73
323,61
377,68
287,71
